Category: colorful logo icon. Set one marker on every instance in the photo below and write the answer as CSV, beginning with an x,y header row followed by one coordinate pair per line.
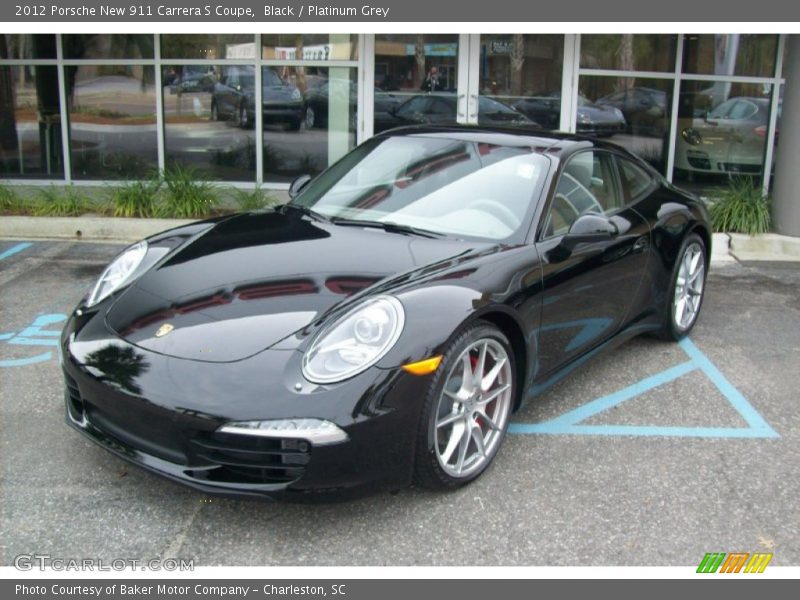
x,y
734,562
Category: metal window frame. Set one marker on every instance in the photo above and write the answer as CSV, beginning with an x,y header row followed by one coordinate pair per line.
x,y
365,69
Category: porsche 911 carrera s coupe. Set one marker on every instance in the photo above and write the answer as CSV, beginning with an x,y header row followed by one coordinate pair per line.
x,y
383,326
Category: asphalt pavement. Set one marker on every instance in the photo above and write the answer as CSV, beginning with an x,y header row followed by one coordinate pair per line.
x,y
652,454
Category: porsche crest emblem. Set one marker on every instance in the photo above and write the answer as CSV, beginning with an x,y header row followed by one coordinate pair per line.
x,y
164,330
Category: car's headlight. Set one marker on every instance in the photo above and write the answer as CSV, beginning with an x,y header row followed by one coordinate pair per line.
x,y
296,95
691,136
355,342
118,272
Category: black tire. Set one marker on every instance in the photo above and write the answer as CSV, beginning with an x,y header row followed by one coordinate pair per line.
x,y
214,112
671,329
428,471
295,125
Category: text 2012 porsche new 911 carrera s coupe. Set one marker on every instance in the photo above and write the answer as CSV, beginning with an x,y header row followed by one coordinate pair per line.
x,y
383,326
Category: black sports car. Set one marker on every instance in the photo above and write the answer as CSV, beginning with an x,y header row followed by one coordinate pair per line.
x,y
383,326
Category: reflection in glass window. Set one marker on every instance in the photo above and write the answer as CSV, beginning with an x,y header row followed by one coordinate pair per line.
x,y
632,112
209,118
309,118
30,122
629,52
309,46
104,46
411,65
208,46
521,74
730,54
112,118
28,46
441,185
722,133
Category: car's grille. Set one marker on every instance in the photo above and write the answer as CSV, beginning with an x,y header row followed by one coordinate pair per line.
x,y
74,401
252,459
741,168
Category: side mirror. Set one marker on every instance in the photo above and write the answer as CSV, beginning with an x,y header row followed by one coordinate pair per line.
x,y
585,230
591,228
298,184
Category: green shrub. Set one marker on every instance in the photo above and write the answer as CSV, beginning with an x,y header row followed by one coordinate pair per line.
x,y
741,208
254,199
136,198
62,202
10,202
186,195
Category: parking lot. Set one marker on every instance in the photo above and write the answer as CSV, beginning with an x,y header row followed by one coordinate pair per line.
x,y
653,454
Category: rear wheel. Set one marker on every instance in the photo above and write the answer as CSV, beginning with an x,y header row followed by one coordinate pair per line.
x,y
214,112
686,290
466,412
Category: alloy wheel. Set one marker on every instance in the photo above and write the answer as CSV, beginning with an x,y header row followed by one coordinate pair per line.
x,y
310,117
689,286
473,408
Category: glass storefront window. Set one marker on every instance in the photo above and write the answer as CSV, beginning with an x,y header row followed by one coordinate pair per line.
x,y
112,118
30,122
28,47
520,80
105,46
208,46
309,118
632,112
629,52
309,46
730,54
407,67
209,118
722,133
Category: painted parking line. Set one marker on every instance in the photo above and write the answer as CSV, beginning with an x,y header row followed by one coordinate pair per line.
x,y
14,249
569,423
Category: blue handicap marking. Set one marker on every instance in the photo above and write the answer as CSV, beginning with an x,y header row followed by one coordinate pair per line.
x,y
569,423
35,335
14,249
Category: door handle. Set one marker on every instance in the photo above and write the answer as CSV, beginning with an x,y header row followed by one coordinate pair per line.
x,y
460,98
642,244
473,104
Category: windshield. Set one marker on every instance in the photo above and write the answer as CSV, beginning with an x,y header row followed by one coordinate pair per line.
x,y
446,186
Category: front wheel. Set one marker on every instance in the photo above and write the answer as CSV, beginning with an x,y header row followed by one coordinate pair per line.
x,y
466,411
686,290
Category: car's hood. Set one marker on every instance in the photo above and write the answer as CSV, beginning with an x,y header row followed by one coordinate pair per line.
x,y
255,279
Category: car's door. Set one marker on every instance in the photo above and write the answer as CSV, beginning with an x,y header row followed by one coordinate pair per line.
x,y
589,281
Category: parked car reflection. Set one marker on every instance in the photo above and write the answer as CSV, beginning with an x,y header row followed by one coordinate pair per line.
x,y
592,118
234,98
644,109
729,139
318,101
441,109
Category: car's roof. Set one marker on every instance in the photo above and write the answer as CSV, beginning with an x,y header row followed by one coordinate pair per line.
x,y
539,140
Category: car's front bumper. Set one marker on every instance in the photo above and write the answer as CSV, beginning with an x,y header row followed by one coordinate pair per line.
x,y
164,415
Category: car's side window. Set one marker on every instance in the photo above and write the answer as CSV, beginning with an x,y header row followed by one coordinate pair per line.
x,y
635,179
588,185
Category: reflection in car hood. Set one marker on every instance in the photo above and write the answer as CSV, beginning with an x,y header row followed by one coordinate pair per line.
x,y
253,280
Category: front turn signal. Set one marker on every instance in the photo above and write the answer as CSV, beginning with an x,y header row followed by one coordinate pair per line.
x,y
423,367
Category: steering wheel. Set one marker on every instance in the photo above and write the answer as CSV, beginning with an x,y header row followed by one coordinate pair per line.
x,y
496,209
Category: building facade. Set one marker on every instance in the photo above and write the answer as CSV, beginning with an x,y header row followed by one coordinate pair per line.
x,y
93,108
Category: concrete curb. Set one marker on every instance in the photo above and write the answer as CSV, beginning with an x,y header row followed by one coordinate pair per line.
x,y
88,228
766,246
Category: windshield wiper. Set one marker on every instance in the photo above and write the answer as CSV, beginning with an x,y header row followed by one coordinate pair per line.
x,y
310,212
386,226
